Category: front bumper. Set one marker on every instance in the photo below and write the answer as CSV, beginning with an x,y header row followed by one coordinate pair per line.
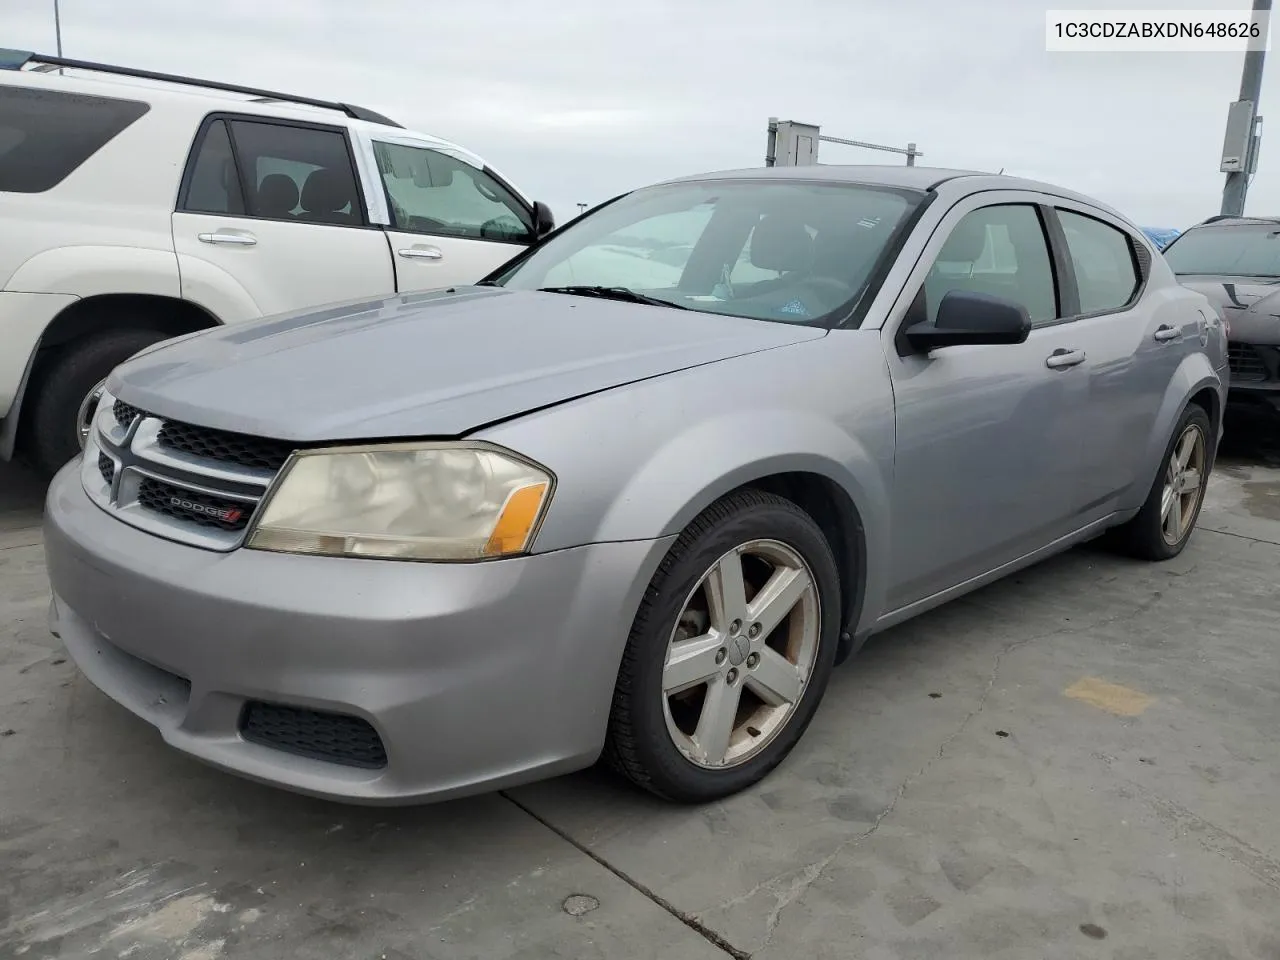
x,y
471,677
1254,375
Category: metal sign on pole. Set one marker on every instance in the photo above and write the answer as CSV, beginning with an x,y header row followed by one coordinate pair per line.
x,y
1243,136
792,144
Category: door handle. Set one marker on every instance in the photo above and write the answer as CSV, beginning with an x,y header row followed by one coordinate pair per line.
x,y
1061,359
421,253
235,239
1165,334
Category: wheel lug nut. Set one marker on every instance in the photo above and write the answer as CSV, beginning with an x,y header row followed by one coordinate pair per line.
x,y
752,661
732,677
721,654
754,631
735,626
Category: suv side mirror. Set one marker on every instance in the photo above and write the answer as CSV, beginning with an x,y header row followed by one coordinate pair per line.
x,y
544,221
966,316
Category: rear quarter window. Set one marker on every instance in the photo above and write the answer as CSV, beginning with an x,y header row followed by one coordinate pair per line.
x,y
46,134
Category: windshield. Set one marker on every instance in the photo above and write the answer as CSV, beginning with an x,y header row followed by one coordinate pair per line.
x,y
790,252
1251,250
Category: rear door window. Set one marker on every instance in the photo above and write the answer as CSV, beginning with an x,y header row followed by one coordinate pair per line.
x,y
214,185
1106,275
45,135
275,171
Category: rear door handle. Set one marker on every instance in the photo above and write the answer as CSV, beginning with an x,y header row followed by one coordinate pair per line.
x,y
1061,359
1165,334
419,252
234,239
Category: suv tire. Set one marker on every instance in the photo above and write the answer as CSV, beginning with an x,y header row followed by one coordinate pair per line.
x,y
51,429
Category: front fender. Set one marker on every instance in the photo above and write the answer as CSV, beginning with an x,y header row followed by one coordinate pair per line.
x,y
641,461
1193,375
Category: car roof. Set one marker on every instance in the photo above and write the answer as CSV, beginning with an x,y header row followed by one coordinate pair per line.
x,y
1230,221
902,176
920,178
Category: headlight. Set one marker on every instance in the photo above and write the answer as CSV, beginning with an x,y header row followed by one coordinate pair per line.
x,y
409,501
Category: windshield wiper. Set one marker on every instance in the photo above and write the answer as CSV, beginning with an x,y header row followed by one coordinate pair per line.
x,y
624,294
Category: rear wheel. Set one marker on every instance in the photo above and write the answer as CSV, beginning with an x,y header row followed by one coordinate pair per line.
x,y
1163,527
730,652
64,400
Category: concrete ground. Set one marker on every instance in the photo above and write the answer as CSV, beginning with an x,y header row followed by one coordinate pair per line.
x,y
1081,761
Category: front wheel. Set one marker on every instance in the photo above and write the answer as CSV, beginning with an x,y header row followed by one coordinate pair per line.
x,y
730,652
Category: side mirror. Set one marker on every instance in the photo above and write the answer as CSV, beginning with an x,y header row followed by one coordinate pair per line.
x,y
965,316
544,221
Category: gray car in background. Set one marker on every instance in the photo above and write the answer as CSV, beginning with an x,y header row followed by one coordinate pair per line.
x,y
636,493
1235,262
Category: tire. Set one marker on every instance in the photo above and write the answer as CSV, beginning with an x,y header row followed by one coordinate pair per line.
x,y
1145,536
649,739
51,431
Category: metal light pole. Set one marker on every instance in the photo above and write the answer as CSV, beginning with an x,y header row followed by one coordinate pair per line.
x,y
57,26
1240,149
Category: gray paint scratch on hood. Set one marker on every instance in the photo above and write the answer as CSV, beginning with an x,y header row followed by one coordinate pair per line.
x,y
433,364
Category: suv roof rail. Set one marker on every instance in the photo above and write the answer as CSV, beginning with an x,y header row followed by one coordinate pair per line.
x,y
17,59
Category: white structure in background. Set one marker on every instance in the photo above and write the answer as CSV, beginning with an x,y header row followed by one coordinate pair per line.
x,y
792,144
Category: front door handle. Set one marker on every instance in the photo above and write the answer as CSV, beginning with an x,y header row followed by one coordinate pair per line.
x,y
234,239
1165,334
1061,359
421,253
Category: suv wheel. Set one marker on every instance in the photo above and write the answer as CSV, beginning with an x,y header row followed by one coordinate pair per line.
x,y
730,651
65,396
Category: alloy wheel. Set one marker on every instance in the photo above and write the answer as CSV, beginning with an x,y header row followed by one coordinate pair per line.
x,y
741,654
1183,485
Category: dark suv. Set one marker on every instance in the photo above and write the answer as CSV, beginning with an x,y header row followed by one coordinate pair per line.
x,y
1235,261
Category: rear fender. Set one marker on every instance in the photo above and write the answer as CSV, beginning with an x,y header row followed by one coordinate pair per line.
x,y
1193,375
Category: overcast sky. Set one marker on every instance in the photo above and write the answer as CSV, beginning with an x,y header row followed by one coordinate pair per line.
x,y
579,100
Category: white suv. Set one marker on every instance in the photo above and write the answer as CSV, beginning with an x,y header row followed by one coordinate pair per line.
x,y
139,206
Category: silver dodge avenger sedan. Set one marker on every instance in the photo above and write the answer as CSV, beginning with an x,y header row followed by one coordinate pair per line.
x,y
636,493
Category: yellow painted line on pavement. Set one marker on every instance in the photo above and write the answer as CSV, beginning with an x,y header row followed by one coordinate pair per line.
x,y
1111,697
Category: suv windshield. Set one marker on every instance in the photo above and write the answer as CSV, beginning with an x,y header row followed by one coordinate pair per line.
x,y
791,252
1240,250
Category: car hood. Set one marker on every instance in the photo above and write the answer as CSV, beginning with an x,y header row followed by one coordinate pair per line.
x,y
1251,305
433,364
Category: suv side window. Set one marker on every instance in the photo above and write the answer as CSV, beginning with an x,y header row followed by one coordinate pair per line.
x,y
45,135
433,193
999,250
213,185
1106,276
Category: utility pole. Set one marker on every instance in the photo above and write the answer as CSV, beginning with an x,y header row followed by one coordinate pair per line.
x,y
57,26
1240,147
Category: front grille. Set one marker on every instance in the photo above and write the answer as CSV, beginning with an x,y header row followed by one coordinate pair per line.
x,y
1247,363
186,483
192,507
125,413
225,446
331,737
